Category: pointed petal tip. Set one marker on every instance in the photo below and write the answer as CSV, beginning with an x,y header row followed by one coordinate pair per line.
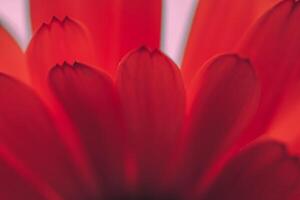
x,y
151,52
56,42
64,20
66,66
145,48
67,18
233,58
56,20
240,58
236,56
94,15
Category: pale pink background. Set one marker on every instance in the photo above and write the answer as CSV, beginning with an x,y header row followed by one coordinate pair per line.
x,y
177,15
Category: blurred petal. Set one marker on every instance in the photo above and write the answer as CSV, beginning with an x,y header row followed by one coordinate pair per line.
x,y
262,171
28,132
18,183
153,98
273,46
90,99
117,26
217,28
221,101
55,43
285,122
12,58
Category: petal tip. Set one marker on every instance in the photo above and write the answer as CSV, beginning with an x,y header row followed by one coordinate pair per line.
x,y
56,21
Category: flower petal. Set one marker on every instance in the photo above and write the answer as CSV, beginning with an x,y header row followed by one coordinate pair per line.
x,y
18,183
153,98
273,45
12,58
262,171
285,124
13,186
221,101
117,26
90,99
56,43
217,28
27,131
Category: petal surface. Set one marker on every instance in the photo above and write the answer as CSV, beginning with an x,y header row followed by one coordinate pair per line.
x,y
90,99
273,44
55,43
117,26
28,132
285,125
221,101
217,28
262,171
18,183
12,58
153,99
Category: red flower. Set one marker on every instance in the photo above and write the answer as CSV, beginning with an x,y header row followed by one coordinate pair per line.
x,y
141,131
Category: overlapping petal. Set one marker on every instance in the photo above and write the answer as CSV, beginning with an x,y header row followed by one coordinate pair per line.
x,y
217,28
153,99
18,182
90,99
118,138
28,132
221,101
117,26
13,61
55,43
273,44
262,171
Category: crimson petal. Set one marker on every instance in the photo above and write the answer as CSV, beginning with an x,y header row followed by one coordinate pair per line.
x,y
90,99
217,28
27,130
153,98
14,186
19,182
273,44
116,26
12,58
55,43
221,101
262,171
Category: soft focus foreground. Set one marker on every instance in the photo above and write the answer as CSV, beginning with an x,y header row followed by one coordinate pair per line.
x,y
79,120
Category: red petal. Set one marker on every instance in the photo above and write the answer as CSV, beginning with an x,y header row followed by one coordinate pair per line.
x,y
90,99
273,45
28,132
12,58
18,183
116,26
262,171
285,122
153,97
222,99
55,43
217,28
